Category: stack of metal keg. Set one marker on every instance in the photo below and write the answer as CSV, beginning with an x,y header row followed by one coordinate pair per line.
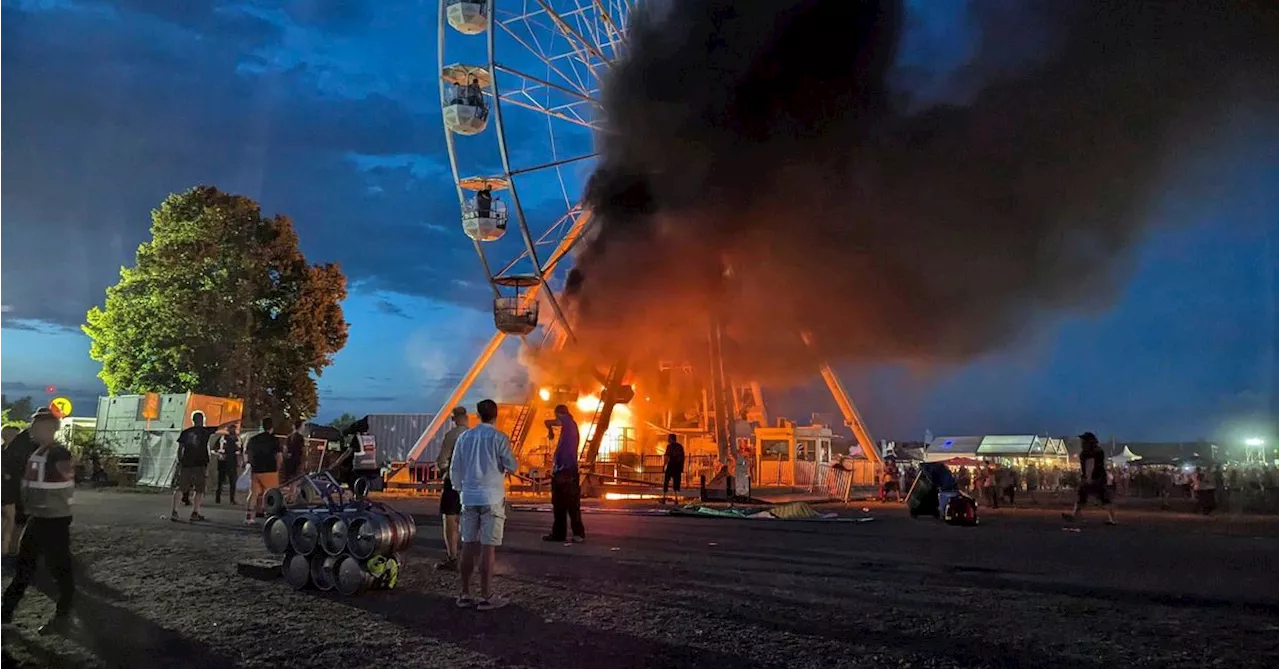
x,y
335,541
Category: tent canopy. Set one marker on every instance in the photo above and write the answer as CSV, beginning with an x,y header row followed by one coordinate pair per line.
x,y
995,445
945,448
1125,457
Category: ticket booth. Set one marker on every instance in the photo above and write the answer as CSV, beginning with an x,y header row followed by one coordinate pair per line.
x,y
791,455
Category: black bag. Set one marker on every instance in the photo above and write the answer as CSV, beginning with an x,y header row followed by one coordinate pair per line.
x,y
961,510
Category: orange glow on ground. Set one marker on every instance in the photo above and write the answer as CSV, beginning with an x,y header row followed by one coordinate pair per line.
x,y
629,495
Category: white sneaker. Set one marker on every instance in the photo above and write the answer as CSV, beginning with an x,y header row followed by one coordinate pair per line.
x,y
492,602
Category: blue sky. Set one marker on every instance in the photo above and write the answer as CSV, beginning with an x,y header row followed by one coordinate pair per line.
x,y
327,112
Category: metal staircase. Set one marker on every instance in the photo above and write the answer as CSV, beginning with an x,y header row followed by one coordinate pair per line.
x,y
520,428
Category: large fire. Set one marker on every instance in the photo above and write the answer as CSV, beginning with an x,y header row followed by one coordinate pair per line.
x,y
621,432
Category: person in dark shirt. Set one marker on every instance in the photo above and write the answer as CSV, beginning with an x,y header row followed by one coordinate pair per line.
x,y
673,467
566,489
265,460
193,464
294,452
228,451
1093,478
17,448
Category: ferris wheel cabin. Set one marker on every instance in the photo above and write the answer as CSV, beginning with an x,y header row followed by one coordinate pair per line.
x,y
516,314
465,110
484,217
467,16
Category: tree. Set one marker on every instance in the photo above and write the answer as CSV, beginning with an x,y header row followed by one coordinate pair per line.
x,y
343,422
221,302
18,410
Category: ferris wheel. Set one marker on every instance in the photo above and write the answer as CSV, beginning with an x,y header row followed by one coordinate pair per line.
x,y
519,95
519,89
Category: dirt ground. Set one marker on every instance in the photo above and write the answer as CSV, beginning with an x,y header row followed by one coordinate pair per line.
x,y
1019,590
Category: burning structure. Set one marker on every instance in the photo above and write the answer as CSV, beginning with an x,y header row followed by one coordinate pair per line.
x,y
770,194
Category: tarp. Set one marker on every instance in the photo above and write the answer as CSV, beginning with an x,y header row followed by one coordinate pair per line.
x,y
156,460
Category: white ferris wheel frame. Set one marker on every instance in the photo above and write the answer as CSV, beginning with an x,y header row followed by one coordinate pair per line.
x,y
594,32
565,233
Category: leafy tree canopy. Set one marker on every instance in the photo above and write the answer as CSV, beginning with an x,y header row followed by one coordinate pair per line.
x,y
343,422
17,411
221,302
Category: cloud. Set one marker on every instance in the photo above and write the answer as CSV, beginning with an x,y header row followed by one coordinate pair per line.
x,y
153,94
391,309
31,325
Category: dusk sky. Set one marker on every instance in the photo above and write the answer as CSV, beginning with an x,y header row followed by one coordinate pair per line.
x,y
327,112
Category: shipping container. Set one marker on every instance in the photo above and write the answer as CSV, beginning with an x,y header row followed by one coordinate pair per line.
x,y
396,433
124,421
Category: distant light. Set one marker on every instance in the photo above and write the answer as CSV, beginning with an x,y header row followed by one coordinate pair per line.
x,y
544,394
1253,441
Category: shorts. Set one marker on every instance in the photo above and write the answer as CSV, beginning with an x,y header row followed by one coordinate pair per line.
x,y
191,479
11,493
450,500
263,482
483,523
1095,488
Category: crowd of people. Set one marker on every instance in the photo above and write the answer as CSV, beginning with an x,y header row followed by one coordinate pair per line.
x,y
39,483
1235,485
261,458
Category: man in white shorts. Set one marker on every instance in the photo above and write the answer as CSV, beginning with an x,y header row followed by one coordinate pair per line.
x,y
481,460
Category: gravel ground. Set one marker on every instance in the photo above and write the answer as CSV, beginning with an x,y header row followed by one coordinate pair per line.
x,y
676,592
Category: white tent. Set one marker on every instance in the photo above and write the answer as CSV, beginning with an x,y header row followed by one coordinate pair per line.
x,y
1124,457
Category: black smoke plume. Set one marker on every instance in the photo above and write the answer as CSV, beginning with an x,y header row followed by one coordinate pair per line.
x,y
759,163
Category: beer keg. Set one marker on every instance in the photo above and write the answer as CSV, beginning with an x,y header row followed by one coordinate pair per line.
x,y
275,534
273,502
323,573
296,570
304,533
352,577
333,534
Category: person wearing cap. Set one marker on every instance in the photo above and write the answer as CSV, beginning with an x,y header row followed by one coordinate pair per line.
x,y
48,484
450,501
1093,478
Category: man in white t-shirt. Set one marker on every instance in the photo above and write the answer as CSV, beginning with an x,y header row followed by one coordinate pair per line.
x,y
482,458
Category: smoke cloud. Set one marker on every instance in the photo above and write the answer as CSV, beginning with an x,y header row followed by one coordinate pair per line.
x,y
759,163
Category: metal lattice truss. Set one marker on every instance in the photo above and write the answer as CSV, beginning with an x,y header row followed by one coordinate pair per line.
x,y
546,57
575,41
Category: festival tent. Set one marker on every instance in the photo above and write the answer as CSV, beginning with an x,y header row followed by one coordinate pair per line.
x,y
942,449
1124,457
